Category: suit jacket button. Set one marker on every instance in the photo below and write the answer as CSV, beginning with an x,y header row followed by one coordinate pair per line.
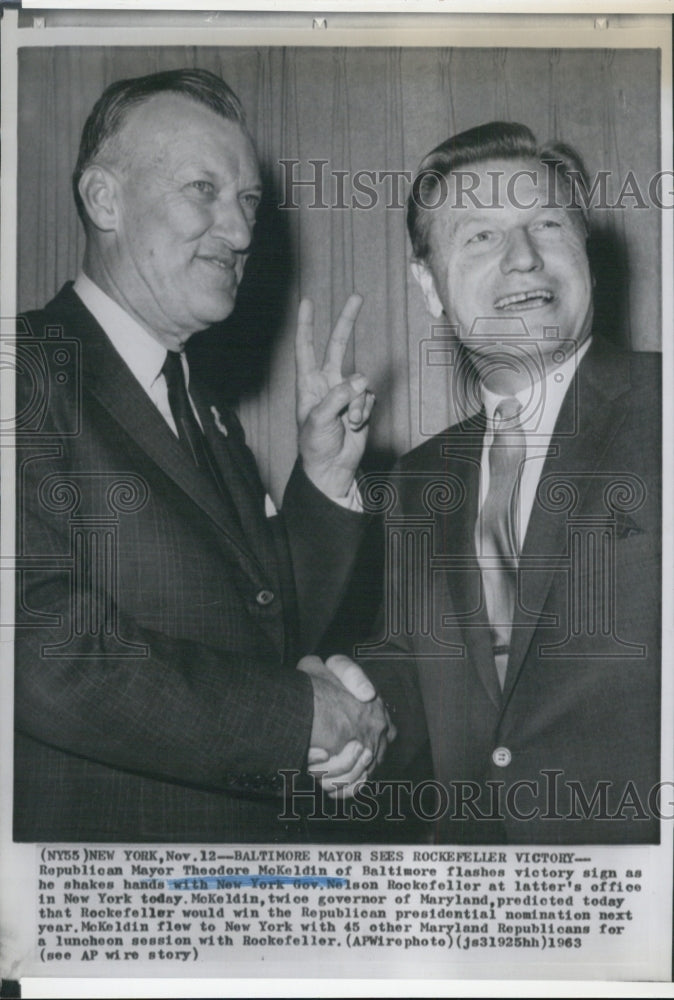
x,y
264,597
501,756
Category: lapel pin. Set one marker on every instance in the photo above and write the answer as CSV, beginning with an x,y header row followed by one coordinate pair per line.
x,y
218,420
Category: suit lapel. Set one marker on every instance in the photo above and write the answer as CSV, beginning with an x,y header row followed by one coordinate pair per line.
x,y
590,416
462,452
111,383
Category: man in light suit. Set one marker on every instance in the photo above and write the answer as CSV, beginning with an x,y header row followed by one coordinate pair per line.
x,y
523,561
162,605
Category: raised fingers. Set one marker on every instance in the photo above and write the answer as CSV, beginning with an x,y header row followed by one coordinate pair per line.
x,y
305,356
339,338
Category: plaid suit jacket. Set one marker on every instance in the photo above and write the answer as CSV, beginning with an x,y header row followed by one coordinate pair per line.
x,y
157,636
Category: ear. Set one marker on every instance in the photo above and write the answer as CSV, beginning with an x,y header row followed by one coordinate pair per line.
x,y
98,189
423,276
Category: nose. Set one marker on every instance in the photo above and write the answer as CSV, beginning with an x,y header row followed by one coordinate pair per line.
x,y
521,253
231,224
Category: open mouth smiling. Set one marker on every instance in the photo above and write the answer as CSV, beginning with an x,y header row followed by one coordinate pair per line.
x,y
221,263
533,299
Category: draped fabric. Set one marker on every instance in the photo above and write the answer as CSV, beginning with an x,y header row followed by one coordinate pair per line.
x,y
357,114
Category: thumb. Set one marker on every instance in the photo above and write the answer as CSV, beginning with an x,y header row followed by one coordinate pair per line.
x,y
312,665
352,677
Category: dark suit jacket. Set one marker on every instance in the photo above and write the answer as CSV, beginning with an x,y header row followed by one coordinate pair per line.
x,y
157,633
579,715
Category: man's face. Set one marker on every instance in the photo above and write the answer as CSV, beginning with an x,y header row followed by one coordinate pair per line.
x,y
189,188
497,267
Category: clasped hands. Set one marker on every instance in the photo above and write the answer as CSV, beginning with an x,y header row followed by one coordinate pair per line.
x,y
351,726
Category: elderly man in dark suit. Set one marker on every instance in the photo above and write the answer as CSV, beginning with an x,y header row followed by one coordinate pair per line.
x,y
162,603
523,565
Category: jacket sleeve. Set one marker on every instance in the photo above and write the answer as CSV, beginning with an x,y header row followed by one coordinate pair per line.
x,y
324,540
177,710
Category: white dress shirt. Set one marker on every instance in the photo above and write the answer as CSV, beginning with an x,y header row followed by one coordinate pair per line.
x,y
541,404
138,349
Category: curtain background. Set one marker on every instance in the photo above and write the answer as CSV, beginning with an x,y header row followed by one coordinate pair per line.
x,y
358,109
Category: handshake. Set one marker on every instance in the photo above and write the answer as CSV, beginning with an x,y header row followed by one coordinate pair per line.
x,y
351,727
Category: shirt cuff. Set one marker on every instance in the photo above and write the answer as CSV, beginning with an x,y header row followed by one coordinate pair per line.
x,y
352,501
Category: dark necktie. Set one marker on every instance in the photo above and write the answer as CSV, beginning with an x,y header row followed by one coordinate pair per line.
x,y
498,528
189,431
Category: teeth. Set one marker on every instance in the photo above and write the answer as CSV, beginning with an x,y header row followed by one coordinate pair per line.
x,y
225,265
517,297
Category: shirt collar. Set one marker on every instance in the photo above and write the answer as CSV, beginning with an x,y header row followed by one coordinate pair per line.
x,y
542,401
142,354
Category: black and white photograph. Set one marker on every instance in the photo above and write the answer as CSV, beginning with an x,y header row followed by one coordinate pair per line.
x,y
334,563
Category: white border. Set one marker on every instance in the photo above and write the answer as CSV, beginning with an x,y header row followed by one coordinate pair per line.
x,y
370,6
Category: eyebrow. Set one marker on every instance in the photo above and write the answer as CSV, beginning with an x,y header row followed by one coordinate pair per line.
x,y
194,165
475,218
470,215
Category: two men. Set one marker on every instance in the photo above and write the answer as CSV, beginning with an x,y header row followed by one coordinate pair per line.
x,y
523,580
161,614
162,606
